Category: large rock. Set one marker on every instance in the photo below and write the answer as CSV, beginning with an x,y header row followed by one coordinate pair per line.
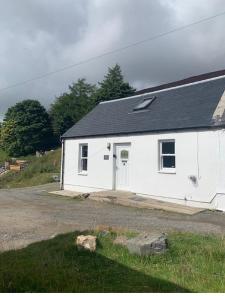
x,y
87,242
146,244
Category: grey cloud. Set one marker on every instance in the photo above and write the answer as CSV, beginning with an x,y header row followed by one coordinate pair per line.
x,y
41,36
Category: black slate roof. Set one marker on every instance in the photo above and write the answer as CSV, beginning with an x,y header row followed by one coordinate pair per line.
x,y
184,107
188,80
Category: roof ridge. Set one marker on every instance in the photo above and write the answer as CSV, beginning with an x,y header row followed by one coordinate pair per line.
x,y
184,81
166,89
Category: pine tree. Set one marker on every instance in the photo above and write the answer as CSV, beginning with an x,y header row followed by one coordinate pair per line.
x,y
113,86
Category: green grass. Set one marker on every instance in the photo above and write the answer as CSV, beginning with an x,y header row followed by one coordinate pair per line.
x,y
39,171
193,263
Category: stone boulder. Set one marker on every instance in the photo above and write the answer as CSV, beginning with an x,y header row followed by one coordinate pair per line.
x,y
87,242
147,243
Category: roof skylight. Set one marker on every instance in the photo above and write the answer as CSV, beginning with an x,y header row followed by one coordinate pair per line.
x,y
144,104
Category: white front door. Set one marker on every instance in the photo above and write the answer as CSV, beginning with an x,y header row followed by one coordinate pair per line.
x,y
122,167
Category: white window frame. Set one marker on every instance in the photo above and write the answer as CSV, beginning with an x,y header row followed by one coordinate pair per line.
x,y
80,170
161,155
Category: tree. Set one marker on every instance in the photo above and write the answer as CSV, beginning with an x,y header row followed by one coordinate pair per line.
x,y
7,137
26,128
72,106
113,86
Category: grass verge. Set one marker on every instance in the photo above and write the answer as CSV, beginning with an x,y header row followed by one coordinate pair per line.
x,y
193,263
39,171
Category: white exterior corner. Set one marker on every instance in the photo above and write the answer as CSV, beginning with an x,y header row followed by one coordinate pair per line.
x,y
62,166
197,180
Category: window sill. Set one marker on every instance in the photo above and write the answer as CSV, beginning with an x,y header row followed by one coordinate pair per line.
x,y
83,173
167,171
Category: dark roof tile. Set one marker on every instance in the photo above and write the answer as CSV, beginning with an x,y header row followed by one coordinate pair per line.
x,y
188,80
190,106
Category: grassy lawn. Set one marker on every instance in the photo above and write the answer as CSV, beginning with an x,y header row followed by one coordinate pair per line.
x,y
193,263
39,171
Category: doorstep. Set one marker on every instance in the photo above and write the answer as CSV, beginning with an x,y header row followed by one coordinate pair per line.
x,y
132,200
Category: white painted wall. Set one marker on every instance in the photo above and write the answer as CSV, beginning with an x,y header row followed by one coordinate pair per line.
x,y
200,153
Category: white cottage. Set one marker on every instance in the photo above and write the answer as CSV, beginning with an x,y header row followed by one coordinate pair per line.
x,y
167,143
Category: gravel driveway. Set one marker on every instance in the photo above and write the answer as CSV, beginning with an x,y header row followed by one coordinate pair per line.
x,y
31,214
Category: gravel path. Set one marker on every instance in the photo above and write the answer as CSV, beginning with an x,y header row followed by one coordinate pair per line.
x,y
31,214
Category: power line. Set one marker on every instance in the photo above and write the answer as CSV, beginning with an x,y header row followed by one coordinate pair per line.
x,y
149,39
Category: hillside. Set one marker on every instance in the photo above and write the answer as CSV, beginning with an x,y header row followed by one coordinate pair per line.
x,y
39,171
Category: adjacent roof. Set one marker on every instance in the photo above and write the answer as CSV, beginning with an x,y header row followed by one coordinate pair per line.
x,y
188,80
174,108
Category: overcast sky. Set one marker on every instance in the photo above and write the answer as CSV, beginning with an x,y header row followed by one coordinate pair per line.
x,y
39,36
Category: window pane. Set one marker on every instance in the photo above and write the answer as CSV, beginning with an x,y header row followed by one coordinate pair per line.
x,y
84,151
124,154
168,147
84,164
168,161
